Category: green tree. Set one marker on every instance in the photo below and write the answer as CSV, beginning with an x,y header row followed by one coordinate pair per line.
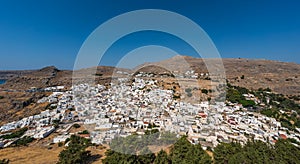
x,y
286,152
184,152
247,103
162,158
254,152
113,157
75,152
146,156
224,151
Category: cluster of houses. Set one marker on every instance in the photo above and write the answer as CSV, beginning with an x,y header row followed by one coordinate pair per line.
x,y
190,74
41,125
48,89
123,110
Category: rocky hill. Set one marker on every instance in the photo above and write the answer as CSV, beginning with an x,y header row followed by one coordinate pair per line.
x,y
281,77
51,76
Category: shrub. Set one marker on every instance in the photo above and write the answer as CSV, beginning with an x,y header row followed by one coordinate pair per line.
x,y
84,132
76,126
23,141
205,91
15,134
60,144
247,103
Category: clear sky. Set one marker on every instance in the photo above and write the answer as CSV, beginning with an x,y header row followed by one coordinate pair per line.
x,y
34,34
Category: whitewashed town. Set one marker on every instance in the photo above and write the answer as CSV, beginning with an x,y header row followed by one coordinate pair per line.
x,y
122,110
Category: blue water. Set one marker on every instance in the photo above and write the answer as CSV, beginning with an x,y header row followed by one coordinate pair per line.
x,y
2,81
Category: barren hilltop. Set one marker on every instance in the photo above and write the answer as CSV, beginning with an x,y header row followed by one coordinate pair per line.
x,y
281,77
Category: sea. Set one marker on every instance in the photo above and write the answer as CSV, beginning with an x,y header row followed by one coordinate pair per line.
x,y
2,81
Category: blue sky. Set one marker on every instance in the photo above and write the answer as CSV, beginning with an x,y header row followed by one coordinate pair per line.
x,y
34,34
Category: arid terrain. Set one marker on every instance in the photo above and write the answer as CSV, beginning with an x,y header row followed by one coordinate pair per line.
x,y
281,77
43,152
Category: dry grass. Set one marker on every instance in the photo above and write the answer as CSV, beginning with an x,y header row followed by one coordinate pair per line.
x,y
38,153
156,148
31,154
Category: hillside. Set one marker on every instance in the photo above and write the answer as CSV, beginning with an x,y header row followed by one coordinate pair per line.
x,y
281,77
16,102
51,76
